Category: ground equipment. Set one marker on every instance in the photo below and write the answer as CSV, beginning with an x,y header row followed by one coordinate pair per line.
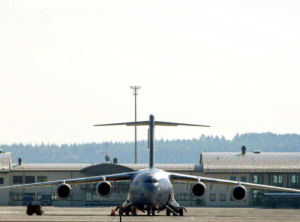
x,y
34,209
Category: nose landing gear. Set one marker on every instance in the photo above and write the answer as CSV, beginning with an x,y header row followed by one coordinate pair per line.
x,y
150,212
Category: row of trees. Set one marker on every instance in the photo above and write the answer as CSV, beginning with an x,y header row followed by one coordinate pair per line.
x,y
166,151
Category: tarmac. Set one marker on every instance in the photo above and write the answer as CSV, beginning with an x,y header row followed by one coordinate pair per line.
x,y
76,214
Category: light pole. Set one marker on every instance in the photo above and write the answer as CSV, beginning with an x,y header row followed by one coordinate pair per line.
x,y
135,92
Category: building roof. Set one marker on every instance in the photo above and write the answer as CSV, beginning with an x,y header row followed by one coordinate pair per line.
x,y
214,162
50,166
82,166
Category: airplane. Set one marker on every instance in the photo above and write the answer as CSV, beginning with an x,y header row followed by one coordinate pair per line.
x,y
151,189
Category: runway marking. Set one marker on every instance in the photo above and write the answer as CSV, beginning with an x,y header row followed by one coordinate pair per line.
x,y
154,218
192,218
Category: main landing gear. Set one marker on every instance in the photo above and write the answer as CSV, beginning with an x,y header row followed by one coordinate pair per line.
x,y
127,212
175,212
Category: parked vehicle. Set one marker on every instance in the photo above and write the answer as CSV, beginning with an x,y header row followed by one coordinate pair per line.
x,y
34,209
27,201
46,200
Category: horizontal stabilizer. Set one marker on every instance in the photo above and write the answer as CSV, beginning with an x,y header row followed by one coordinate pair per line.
x,y
160,123
140,123
146,123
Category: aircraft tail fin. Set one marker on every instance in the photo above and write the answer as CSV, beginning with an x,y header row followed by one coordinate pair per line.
x,y
151,123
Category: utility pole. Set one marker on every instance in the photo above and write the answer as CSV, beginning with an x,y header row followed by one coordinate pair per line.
x,y
135,92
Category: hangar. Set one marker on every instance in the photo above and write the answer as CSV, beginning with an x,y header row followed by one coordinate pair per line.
x,y
277,169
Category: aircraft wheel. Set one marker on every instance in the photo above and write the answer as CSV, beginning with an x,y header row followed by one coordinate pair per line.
x,y
153,213
127,212
167,212
181,212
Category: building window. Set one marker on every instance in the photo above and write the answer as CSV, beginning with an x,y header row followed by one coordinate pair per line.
x,y
176,196
277,180
77,196
54,196
185,196
243,179
222,197
257,178
30,195
212,197
175,183
41,179
29,179
39,195
233,178
295,180
17,179
1,180
17,196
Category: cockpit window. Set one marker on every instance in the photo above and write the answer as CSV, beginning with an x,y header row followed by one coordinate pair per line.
x,y
163,181
151,180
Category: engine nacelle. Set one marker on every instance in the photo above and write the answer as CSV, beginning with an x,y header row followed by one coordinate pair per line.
x,y
238,193
64,191
198,190
103,189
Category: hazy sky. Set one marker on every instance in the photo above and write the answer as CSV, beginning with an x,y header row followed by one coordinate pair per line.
x,y
67,65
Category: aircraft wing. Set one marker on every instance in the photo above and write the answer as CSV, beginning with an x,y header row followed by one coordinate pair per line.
x,y
205,180
85,180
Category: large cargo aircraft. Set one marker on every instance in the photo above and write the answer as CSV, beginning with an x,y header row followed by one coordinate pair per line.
x,y
151,189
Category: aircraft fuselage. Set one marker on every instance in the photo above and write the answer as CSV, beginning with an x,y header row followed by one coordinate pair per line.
x,y
151,189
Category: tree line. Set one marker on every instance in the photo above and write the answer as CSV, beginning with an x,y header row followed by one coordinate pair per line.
x,y
166,151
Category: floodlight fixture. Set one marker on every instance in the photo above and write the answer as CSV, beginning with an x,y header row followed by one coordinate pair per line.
x,y
135,89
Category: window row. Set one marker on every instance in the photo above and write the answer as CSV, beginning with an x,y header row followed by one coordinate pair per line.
x,y
277,179
29,179
20,196
222,197
243,179
182,196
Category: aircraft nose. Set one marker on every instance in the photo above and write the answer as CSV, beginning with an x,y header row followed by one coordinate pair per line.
x,y
151,191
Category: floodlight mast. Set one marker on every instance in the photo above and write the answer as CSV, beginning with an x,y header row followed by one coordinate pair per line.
x,y
135,92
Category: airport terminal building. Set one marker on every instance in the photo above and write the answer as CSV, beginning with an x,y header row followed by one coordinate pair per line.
x,y
277,169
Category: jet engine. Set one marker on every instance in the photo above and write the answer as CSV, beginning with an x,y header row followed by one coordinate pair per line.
x,y
103,189
238,193
198,190
64,191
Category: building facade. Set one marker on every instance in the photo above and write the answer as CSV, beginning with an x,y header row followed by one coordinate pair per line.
x,y
278,169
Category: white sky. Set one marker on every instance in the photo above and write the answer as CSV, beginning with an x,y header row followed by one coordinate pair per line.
x,y
66,65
